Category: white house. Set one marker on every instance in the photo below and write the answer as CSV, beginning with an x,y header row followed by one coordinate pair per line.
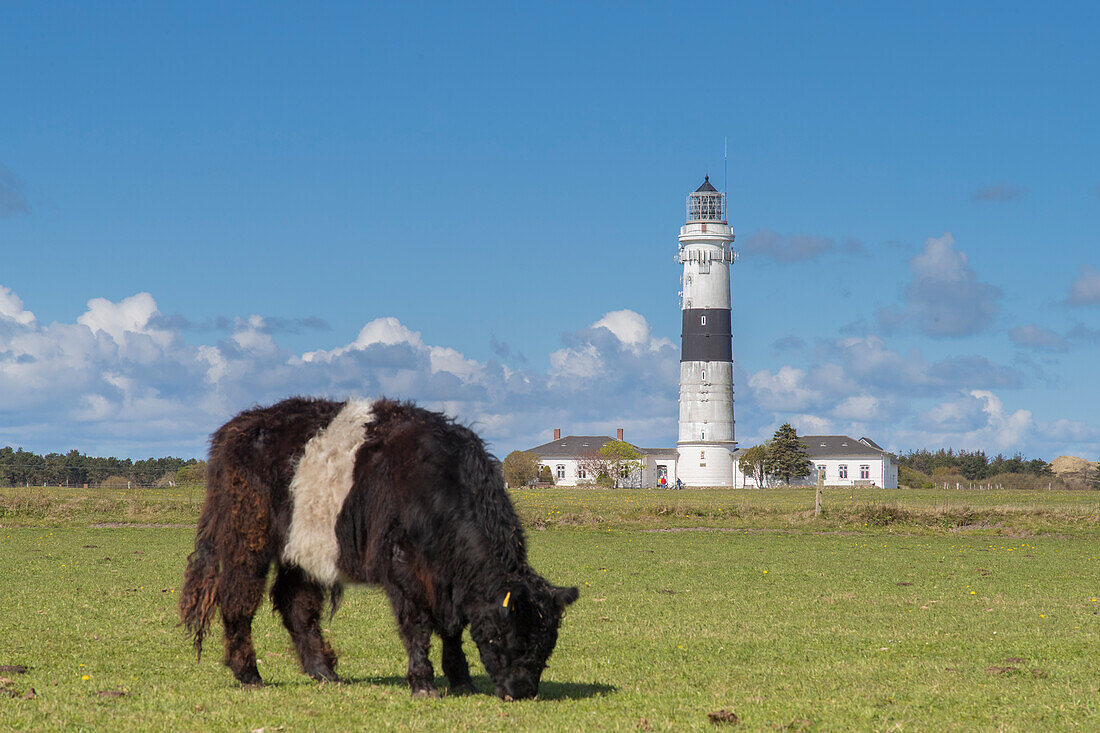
x,y
847,462
567,457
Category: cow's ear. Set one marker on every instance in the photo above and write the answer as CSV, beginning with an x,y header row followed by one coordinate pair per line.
x,y
514,595
565,596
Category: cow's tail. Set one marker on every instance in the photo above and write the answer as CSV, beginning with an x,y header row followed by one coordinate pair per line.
x,y
199,596
482,475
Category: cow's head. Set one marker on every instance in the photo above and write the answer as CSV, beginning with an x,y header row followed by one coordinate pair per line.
x,y
518,633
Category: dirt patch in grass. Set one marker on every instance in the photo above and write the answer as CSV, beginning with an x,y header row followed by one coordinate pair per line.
x,y
139,525
726,717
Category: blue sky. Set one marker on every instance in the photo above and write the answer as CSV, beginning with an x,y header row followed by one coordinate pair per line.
x,y
211,205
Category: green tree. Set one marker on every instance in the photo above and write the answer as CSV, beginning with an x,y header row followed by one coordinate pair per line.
x,y
787,455
753,462
194,473
973,465
623,461
520,468
546,476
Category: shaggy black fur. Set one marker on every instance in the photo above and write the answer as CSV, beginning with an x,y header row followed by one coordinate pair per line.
x,y
427,517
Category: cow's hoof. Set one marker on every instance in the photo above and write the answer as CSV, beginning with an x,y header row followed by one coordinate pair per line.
x,y
463,688
324,675
250,678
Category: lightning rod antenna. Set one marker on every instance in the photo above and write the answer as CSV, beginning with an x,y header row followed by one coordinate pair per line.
x,y
725,178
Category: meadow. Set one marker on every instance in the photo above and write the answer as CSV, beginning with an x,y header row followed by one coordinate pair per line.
x,y
912,611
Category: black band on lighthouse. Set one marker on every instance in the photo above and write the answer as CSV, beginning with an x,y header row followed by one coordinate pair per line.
x,y
707,335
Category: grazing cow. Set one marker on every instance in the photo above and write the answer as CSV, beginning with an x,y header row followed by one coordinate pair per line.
x,y
372,492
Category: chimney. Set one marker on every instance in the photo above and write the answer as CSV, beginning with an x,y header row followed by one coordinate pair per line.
x,y
619,433
557,433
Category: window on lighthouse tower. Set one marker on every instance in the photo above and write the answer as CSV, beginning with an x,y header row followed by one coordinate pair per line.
x,y
702,320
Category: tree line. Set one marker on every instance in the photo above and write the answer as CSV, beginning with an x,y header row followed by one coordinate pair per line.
x,y
22,468
972,465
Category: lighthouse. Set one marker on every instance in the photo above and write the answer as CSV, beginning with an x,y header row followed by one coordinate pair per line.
x,y
706,441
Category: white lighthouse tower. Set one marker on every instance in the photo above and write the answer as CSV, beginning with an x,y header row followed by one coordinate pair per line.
x,y
706,441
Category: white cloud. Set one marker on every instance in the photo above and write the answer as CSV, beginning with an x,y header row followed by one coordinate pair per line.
x,y
999,192
120,379
945,298
1033,336
784,391
124,318
123,378
976,420
13,198
788,248
386,331
863,408
1085,290
632,329
11,307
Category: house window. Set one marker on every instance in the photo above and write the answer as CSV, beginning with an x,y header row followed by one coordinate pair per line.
x,y
842,471
702,320
581,473
561,470
865,472
821,469
704,375
703,435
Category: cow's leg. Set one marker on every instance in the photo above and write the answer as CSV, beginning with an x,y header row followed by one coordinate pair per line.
x,y
299,601
410,606
240,591
455,666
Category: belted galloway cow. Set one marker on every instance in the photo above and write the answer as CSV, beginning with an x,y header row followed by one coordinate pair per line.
x,y
379,492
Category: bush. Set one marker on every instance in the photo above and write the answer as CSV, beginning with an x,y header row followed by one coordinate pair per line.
x,y
912,479
520,468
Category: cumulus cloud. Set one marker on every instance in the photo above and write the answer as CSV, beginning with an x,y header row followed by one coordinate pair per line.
x,y
120,380
1082,333
786,390
11,308
788,343
945,298
1085,290
861,386
999,192
1033,336
13,199
976,421
795,247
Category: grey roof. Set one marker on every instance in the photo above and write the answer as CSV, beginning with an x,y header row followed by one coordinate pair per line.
x,y
660,452
841,446
706,187
870,442
572,446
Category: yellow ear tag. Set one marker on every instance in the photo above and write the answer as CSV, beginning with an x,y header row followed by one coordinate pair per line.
x,y
507,598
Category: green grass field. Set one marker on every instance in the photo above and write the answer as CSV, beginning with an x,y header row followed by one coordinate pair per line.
x,y
691,603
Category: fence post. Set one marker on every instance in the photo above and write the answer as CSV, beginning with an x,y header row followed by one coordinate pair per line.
x,y
817,496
